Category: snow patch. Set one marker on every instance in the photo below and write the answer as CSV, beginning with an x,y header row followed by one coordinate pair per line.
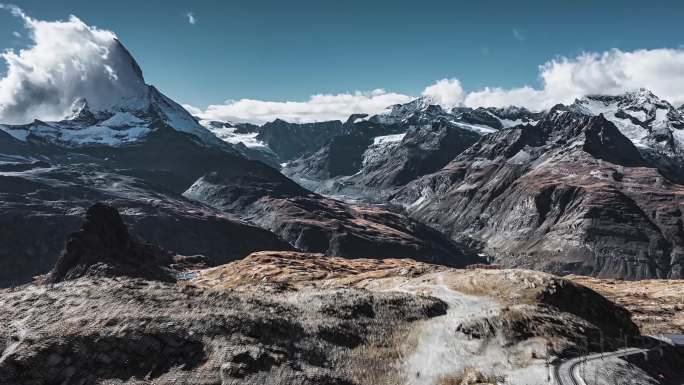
x,y
230,135
385,139
380,148
482,129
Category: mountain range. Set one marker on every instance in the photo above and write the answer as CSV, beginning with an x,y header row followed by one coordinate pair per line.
x,y
593,187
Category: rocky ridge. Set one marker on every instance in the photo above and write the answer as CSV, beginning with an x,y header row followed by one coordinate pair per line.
x,y
311,222
379,153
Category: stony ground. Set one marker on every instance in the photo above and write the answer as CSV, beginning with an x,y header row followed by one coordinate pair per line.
x,y
657,306
293,318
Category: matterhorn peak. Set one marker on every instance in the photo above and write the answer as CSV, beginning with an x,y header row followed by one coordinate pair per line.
x,y
115,109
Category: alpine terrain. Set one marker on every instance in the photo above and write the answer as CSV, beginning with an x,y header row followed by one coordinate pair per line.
x,y
425,243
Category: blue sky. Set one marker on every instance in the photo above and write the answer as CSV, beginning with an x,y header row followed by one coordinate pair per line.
x,y
289,50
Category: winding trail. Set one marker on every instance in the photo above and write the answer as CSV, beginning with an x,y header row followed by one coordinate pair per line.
x,y
567,372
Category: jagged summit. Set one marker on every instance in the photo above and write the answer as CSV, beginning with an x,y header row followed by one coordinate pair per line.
x,y
633,110
400,113
654,126
637,98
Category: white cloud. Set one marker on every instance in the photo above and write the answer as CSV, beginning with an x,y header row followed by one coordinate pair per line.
x,y
319,107
68,60
191,18
446,92
611,72
322,107
563,80
16,34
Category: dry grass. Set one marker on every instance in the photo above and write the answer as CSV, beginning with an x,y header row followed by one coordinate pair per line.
x,y
305,269
379,360
657,306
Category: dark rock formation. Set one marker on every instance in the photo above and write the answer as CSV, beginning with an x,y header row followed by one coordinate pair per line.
x,y
129,331
366,162
353,165
478,116
291,140
342,155
103,247
570,194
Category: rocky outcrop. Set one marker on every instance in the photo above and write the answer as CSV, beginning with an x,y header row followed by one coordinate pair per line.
x,y
90,331
276,318
103,247
570,194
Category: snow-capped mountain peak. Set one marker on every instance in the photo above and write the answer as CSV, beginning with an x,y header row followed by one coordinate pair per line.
x,y
123,113
639,100
424,106
640,115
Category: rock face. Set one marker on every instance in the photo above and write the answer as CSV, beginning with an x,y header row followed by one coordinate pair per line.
x,y
374,155
387,166
296,318
571,194
291,140
342,155
314,223
103,247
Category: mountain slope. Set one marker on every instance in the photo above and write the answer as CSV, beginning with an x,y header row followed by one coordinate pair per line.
x,y
390,149
313,223
389,162
571,194
42,203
